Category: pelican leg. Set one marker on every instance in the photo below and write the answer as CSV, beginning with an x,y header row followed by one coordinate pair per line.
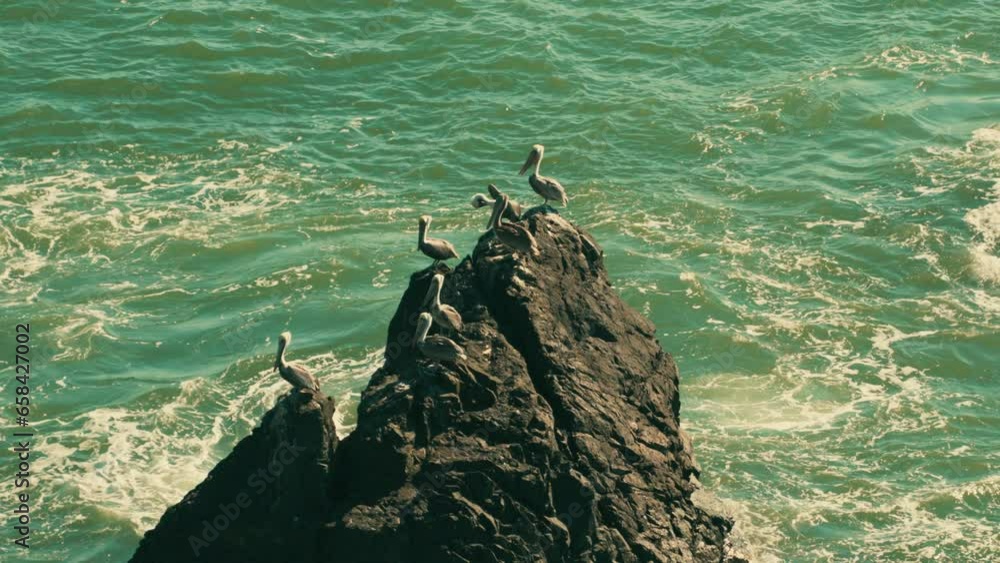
x,y
548,208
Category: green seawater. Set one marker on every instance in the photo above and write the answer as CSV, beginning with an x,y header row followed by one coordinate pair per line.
x,y
804,197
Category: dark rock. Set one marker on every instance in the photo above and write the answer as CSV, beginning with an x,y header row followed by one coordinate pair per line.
x,y
558,439
264,500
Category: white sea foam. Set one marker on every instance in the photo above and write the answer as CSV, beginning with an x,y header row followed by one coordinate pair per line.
x,y
889,335
72,220
855,225
904,57
950,168
985,221
135,462
985,265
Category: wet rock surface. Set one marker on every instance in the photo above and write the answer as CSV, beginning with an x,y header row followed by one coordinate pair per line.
x,y
557,440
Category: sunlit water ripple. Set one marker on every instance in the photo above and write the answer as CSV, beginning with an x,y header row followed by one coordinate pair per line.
x,y
805,200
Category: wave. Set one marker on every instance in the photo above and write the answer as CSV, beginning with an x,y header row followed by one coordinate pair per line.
x,y
941,59
135,461
984,148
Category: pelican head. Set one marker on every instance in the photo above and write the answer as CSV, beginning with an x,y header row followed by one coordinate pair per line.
x,y
425,220
480,200
534,157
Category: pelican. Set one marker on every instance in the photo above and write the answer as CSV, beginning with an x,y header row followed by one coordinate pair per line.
x,y
436,248
513,235
443,314
513,212
436,347
296,374
549,188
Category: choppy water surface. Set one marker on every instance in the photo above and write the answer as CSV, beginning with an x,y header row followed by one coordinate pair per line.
x,y
805,199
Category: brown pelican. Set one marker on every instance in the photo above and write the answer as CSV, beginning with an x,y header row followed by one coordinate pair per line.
x,y
548,188
438,249
436,347
513,212
296,374
443,314
513,235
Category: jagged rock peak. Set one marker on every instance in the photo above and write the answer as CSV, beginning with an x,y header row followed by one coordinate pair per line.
x,y
557,440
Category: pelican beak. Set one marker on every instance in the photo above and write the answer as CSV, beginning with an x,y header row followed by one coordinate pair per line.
x,y
275,368
527,163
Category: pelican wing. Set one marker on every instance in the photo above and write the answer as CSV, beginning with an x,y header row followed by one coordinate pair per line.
x,y
448,316
438,249
548,188
441,348
299,377
517,237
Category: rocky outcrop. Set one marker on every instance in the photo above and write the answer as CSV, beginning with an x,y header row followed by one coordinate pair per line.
x,y
262,502
557,440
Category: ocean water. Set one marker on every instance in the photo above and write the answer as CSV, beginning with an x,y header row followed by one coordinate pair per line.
x,y
804,197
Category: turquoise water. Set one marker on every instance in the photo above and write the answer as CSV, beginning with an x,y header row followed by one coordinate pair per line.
x,y
804,197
